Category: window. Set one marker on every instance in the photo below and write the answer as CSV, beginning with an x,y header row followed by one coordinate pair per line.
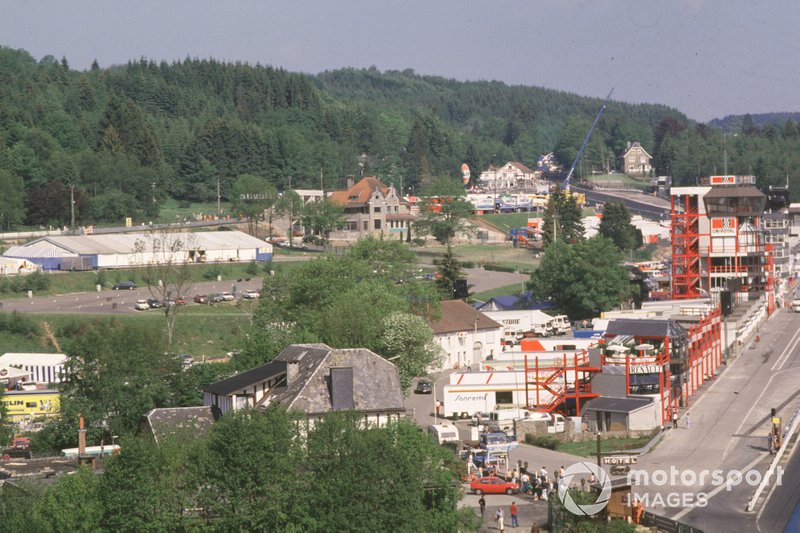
x,y
376,209
377,224
504,397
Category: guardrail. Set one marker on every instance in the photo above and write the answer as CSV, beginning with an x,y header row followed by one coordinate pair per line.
x,y
787,434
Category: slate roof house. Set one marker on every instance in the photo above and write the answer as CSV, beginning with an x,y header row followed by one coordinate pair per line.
x,y
315,379
180,422
635,160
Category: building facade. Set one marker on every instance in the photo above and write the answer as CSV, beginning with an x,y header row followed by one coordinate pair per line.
x,y
635,161
512,175
466,335
371,208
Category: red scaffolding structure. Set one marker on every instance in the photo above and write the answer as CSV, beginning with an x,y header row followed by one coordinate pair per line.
x,y
685,234
554,380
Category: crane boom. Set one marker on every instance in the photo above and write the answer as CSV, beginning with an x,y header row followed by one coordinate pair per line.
x,y
565,184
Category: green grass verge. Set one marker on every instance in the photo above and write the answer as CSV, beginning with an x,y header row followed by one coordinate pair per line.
x,y
589,448
508,290
173,211
506,221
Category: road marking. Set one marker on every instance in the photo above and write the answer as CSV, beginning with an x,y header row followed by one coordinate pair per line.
x,y
756,403
719,488
789,349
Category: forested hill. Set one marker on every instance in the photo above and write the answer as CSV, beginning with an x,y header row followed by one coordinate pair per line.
x,y
127,137
737,123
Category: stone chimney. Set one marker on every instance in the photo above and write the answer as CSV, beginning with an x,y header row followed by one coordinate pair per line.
x,y
351,182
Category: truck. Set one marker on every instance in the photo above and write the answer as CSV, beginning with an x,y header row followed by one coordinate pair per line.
x,y
497,442
518,324
561,325
556,423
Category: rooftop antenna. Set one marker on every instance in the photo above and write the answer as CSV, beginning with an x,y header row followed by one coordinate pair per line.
x,y
565,184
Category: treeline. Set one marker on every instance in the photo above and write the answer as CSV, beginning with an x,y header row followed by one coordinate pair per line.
x,y
256,471
116,142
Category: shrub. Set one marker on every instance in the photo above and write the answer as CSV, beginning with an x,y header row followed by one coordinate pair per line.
x,y
498,268
213,272
467,264
252,268
542,441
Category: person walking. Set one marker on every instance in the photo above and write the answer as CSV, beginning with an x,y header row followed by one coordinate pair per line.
x,y
688,420
500,519
514,512
674,420
770,444
482,505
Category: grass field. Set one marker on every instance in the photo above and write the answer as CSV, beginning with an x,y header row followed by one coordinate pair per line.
x,y
616,180
506,221
69,282
520,259
172,211
203,331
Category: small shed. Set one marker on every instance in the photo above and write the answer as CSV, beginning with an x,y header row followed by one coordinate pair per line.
x,y
634,413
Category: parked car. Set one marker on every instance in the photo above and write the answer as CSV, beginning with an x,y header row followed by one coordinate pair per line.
x,y
153,303
201,299
424,386
214,298
124,286
493,485
227,297
251,294
141,305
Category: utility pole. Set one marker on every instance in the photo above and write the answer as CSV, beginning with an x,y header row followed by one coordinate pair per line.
x,y
153,193
72,205
291,213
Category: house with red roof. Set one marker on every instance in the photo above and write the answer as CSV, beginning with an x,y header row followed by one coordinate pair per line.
x,y
371,208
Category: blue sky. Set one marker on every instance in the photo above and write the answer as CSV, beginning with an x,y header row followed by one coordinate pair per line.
x,y
706,58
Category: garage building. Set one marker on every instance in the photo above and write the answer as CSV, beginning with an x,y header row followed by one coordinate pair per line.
x,y
125,250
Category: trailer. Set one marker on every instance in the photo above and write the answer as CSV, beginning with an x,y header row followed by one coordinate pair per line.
x,y
518,324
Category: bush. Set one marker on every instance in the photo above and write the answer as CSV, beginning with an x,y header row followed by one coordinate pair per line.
x,y
213,272
467,264
499,268
252,268
542,441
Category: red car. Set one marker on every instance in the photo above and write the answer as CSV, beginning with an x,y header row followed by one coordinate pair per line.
x,y
493,485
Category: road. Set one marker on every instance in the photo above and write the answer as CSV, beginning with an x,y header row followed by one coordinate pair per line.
x,y
637,203
729,425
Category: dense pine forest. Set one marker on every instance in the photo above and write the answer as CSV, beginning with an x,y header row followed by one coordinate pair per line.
x,y
123,139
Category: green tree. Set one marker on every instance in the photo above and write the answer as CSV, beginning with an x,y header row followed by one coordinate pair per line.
x,y
406,481
250,473
387,257
450,271
322,217
6,429
12,201
444,220
562,219
146,486
582,279
290,206
616,225
407,341
72,503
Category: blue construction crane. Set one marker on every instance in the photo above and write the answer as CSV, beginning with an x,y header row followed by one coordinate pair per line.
x,y
565,184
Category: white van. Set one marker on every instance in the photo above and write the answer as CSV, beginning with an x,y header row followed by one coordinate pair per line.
x,y
555,421
442,433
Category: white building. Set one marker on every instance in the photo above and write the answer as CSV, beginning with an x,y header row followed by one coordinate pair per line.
x,y
512,175
42,367
125,250
466,335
